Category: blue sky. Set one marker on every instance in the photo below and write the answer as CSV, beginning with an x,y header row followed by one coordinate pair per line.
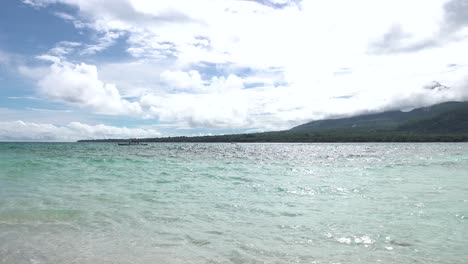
x,y
72,69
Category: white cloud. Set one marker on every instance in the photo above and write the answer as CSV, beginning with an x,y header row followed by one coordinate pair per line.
x,y
108,39
249,34
292,53
221,104
134,78
28,131
64,16
227,110
49,58
79,84
181,80
63,48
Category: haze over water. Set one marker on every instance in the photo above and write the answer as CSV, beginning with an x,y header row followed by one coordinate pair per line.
x,y
233,203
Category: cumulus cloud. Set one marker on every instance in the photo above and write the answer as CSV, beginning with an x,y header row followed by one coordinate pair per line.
x,y
451,18
79,84
181,80
28,131
277,63
213,110
220,103
224,102
252,32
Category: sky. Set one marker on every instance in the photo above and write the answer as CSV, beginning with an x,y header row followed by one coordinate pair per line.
x,y
82,69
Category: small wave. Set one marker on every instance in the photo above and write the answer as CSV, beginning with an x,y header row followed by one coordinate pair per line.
x,y
400,243
288,214
197,242
240,178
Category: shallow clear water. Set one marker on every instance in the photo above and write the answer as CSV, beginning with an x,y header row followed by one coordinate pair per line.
x,y
233,203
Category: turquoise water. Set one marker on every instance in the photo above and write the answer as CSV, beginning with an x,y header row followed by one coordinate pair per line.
x,y
233,203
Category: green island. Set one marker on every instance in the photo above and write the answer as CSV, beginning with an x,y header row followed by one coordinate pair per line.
x,y
445,122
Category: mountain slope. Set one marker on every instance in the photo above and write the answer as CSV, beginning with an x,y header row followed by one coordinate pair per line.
x,y
450,117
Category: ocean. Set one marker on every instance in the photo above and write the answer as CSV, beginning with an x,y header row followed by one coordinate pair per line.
x,y
233,203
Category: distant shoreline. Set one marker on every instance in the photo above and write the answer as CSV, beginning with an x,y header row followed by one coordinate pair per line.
x,y
290,137
445,122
